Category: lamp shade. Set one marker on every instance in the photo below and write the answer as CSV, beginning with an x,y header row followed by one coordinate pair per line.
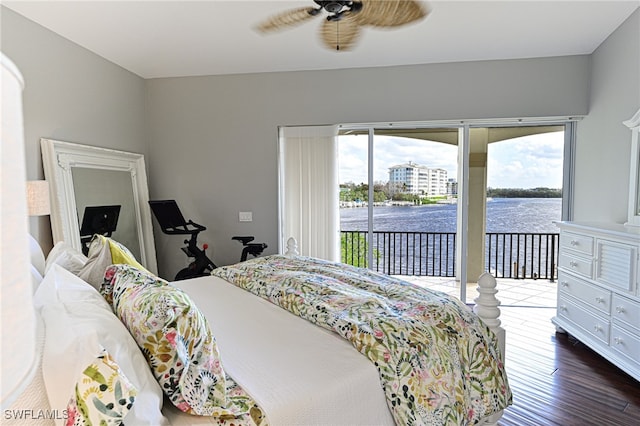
x,y
18,316
38,198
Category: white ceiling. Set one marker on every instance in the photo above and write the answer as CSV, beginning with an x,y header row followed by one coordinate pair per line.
x,y
188,38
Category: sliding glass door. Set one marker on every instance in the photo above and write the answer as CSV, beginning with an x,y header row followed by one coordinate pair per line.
x,y
413,200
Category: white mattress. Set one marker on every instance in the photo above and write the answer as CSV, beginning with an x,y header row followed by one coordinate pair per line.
x,y
299,373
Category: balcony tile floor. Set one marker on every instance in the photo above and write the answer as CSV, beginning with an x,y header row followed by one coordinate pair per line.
x,y
526,293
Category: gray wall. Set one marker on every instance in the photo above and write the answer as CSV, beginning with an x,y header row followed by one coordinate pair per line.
x,y
213,139
72,95
603,142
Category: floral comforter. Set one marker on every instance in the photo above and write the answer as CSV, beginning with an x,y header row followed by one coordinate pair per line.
x,y
438,363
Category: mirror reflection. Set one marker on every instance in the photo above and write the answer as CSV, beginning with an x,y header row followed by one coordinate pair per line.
x,y
105,188
638,185
634,176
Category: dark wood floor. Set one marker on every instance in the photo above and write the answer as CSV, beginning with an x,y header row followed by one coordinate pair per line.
x,y
557,380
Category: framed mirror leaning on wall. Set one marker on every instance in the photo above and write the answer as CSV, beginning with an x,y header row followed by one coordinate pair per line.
x,y
83,178
634,173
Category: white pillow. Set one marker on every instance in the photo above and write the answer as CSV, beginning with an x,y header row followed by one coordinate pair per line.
x,y
37,265
36,278
36,255
65,255
78,320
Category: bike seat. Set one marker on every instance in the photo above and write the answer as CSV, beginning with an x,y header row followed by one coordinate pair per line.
x,y
243,240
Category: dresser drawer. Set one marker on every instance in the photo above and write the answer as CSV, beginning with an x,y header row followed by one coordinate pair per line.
x,y
577,265
626,343
626,311
582,244
592,324
594,296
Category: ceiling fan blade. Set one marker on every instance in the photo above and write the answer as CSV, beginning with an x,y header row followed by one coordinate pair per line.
x,y
340,35
390,13
285,19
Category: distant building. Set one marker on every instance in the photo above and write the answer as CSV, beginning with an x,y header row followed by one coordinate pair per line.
x,y
452,187
411,178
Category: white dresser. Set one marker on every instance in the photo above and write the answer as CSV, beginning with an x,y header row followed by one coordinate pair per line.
x,y
599,290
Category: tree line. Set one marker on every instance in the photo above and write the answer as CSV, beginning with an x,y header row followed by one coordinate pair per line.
x,y
353,192
383,192
524,193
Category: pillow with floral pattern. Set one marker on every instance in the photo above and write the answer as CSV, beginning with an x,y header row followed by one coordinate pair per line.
x,y
174,337
103,395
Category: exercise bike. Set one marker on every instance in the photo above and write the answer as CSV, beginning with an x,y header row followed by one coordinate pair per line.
x,y
172,222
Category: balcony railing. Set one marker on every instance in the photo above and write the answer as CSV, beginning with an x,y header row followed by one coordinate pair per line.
x,y
507,255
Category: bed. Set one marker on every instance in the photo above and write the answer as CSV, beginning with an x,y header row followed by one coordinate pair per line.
x,y
285,357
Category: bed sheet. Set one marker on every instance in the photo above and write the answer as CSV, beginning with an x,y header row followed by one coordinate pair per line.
x,y
299,373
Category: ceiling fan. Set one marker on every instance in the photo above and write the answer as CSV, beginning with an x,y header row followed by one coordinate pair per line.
x,y
344,19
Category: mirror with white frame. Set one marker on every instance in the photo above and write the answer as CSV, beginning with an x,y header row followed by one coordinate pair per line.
x,y
83,176
634,173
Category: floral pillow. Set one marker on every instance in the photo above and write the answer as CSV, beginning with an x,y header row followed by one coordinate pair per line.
x,y
174,337
103,394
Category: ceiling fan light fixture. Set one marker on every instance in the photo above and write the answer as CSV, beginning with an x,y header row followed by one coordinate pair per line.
x,y
334,6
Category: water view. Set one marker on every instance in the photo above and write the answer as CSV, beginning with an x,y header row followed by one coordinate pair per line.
x,y
421,240
531,215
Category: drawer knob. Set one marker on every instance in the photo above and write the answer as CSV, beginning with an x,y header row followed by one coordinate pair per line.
x,y
599,300
574,243
620,309
597,327
564,284
618,340
573,264
563,308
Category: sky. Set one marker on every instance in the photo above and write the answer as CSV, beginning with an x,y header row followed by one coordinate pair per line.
x,y
526,162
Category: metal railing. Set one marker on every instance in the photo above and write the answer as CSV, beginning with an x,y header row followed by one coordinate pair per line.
x,y
507,255
522,255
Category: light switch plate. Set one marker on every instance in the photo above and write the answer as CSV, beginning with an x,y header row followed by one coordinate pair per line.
x,y
245,216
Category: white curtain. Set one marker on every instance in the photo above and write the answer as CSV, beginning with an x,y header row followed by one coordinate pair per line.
x,y
308,173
